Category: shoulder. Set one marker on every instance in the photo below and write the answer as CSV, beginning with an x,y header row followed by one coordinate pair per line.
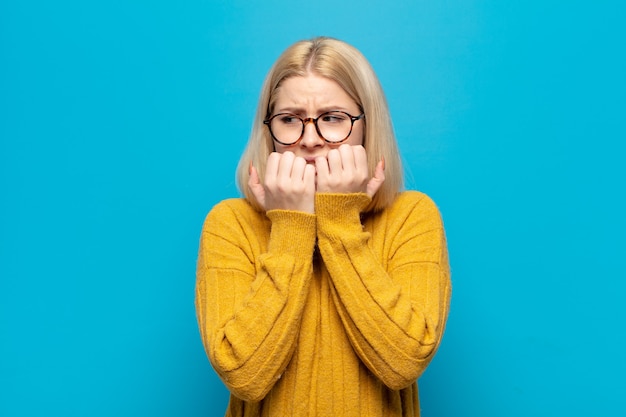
x,y
412,200
233,211
412,197
417,206
232,205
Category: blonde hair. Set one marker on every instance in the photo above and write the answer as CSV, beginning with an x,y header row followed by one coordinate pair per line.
x,y
344,64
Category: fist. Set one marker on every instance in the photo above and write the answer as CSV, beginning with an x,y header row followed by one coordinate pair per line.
x,y
345,170
289,183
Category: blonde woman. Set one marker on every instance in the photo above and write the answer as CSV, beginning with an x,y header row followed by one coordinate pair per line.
x,y
325,290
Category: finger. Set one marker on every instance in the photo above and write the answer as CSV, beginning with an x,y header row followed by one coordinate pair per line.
x,y
377,180
253,175
321,165
360,159
334,161
309,178
255,186
285,164
323,172
308,197
347,158
271,168
298,168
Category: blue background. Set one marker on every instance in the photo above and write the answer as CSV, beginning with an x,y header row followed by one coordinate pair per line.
x,y
121,124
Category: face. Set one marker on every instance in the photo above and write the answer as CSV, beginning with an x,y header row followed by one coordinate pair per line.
x,y
310,96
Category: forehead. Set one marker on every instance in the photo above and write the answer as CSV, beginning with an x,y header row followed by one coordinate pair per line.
x,y
311,92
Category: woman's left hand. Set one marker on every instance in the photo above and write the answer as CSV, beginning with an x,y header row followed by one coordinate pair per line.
x,y
344,170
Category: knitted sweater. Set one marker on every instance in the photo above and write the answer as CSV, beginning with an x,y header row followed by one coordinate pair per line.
x,y
335,313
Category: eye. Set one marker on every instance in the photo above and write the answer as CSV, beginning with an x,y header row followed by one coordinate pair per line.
x,y
334,118
289,119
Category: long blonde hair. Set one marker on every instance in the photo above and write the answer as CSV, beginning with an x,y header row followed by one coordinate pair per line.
x,y
344,64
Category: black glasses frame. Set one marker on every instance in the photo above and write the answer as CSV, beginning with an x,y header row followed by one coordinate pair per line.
x,y
306,120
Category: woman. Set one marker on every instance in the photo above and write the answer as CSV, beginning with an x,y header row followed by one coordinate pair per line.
x,y
325,291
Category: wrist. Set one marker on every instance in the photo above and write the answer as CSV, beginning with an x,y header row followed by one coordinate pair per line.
x,y
339,208
292,231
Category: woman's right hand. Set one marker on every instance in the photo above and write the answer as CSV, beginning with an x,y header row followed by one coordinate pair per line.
x,y
289,183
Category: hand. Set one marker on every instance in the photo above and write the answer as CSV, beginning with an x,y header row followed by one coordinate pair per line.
x,y
344,170
289,183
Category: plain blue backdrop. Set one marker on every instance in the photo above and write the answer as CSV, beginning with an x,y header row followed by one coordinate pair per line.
x,y
121,124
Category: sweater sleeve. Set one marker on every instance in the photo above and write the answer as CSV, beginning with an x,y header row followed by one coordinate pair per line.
x,y
394,306
250,294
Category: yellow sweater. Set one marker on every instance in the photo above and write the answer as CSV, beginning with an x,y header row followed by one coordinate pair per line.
x,y
328,314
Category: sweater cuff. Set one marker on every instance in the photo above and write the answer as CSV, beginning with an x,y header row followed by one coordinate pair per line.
x,y
293,232
340,209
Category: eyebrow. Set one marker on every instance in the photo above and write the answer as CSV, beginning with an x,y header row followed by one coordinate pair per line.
x,y
301,111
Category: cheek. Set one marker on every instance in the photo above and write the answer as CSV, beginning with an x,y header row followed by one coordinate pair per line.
x,y
356,137
279,148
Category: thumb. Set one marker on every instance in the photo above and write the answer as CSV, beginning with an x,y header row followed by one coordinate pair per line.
x,y
377,180
255,186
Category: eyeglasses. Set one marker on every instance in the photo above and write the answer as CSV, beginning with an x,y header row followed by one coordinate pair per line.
x,y
333,126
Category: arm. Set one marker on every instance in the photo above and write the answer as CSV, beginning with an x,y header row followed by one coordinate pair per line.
x,y
250,294
393,306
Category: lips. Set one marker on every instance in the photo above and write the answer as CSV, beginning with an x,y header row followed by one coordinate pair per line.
x,y
311,159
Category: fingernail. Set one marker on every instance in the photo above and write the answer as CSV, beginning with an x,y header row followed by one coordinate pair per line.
x,y
250,168
383,161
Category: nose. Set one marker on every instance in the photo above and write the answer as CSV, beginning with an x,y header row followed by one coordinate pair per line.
x,y
310,137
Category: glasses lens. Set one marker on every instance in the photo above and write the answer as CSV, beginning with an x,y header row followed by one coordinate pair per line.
x,y
334,126
287,128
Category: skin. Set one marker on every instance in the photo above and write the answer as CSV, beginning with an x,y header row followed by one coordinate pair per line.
x,y
296,172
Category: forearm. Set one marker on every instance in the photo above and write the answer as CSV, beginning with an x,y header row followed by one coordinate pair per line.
x,y
395,336
249,317
393,304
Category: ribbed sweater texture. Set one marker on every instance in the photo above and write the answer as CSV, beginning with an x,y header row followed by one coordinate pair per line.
x,y
335,313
